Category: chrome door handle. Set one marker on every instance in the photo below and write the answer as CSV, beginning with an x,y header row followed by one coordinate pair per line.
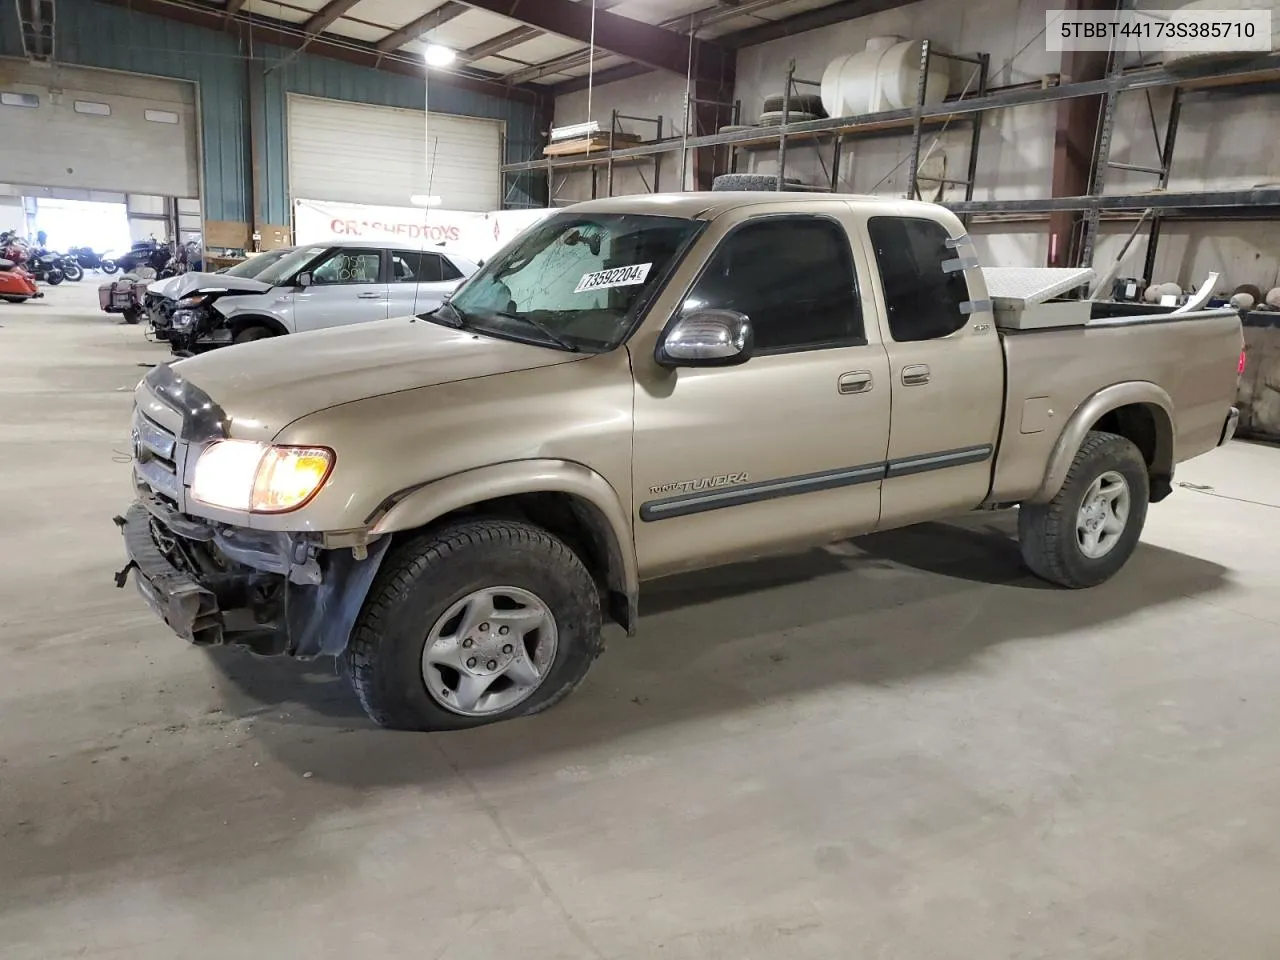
x,y
369,296
856,381
915,374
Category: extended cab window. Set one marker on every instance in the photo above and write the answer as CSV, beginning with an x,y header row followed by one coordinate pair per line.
x,y
348,266
923,300
416,266
792,277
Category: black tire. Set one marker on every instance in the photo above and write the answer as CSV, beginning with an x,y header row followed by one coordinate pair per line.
x,y
750,181
1047,532
250,334
54,277
800,103
132,315
423,577
15,299
774,118
108,266
73,272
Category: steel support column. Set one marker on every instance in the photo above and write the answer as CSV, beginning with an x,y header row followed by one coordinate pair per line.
x,y
1074,137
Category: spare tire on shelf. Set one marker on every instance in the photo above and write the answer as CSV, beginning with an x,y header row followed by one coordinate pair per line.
x,y
736,127
799,103
774,118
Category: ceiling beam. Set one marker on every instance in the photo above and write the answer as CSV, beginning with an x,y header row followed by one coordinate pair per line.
x,y
323,18
281,33
642,42
513,38
416,28
808,20
233,7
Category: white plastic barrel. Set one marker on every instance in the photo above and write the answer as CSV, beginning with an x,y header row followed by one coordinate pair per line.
x,y
884,76
1175,59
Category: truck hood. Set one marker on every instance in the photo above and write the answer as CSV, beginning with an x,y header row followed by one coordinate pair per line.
x,y
175,288
265,385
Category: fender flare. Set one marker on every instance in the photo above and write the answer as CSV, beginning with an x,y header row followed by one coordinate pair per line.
x,y
1094,408
418,506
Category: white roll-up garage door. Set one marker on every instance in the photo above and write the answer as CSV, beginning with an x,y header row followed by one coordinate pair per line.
x,y
359,153
97,130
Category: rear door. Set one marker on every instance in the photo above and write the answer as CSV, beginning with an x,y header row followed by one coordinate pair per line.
x,y
419,280
347,286
946,370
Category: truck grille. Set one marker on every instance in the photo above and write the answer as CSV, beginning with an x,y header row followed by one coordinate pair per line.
x,y
155,458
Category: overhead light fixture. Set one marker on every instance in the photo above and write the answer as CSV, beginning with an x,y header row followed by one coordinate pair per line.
x,y
421,200
437,56
575,130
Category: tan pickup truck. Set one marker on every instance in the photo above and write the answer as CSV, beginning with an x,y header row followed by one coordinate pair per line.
x,y
453,503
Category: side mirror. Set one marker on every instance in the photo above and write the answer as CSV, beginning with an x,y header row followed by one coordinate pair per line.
x,y
707,338
304,280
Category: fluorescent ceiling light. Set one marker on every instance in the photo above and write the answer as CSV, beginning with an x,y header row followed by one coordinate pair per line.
x,y
575,130
438,56
421,200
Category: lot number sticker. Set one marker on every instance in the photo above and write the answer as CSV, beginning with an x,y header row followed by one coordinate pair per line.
x,y
614,277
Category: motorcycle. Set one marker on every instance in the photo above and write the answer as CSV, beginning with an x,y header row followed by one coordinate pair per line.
x,y
16,285
89,259
143,255
47,266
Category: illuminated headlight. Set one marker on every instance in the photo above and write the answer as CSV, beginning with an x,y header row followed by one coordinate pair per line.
x,y
260,477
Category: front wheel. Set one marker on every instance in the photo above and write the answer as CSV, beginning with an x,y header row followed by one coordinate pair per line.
x,y
73,271
1085,534
108,266
480,621
250,334
54,277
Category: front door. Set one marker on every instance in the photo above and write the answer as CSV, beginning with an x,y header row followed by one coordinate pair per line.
x,y
782,451
346,287
947,372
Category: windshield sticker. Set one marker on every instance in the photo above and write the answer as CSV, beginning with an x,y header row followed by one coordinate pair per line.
x,y
614,277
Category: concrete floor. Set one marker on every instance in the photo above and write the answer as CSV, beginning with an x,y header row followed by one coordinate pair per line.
x,y
900,748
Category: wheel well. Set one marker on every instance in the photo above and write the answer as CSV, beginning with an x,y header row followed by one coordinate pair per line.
x,y
1148,428
577,522
238,324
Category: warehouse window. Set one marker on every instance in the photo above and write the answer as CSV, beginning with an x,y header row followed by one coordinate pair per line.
x,y
93,108
793,278
10,99
922,294
161,116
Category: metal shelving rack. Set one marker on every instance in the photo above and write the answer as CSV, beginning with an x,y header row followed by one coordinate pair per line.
x,y
1261,202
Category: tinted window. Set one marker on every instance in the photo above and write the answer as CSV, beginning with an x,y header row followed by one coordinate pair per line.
x,y
413,266
923,301
792,277
348,266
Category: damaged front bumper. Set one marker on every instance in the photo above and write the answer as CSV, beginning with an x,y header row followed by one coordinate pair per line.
x,y
275,593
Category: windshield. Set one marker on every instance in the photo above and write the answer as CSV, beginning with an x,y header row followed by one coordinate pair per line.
x,y
249,269
293,261
574,280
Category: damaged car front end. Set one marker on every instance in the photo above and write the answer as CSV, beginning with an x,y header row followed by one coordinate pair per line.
x,y
199,558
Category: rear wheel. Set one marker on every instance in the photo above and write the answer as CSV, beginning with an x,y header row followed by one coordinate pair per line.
x,y
73,271
477,622
108,266
249,334
15,299
1086,533
53,277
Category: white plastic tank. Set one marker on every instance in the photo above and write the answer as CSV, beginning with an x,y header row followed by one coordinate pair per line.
x,y
884,76
1173,59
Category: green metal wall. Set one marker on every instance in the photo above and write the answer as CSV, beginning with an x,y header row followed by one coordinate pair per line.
x,y
94,34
